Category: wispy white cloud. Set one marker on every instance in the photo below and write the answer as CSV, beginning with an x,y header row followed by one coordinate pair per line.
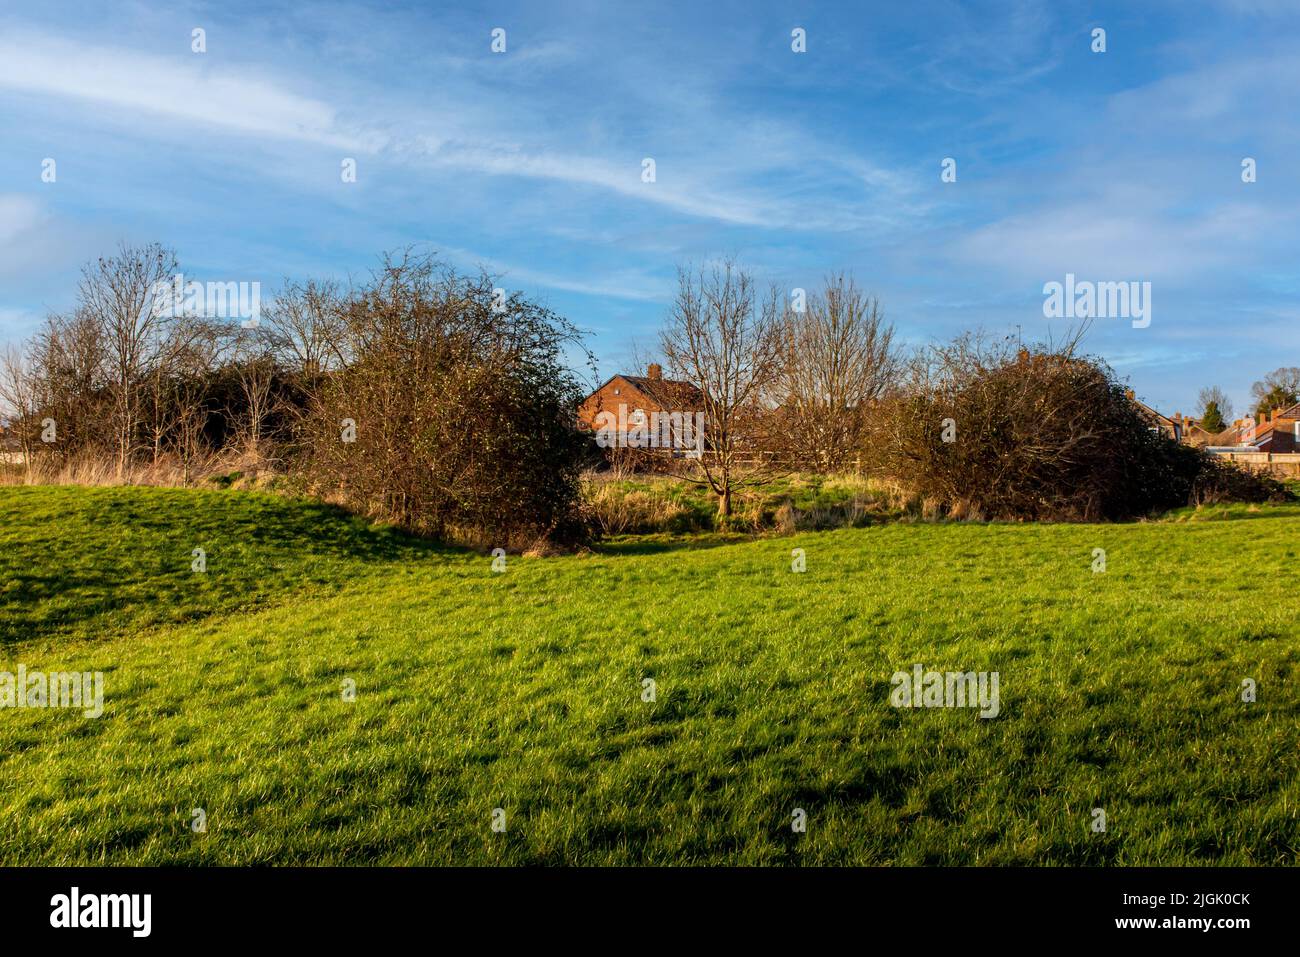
x,y
1102,239
32,239
183,89
754,172
243,101
993,51
19,216
623,179
627,284
1128,204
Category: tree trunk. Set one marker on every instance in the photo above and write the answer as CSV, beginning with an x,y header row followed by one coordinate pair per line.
x,y
724,503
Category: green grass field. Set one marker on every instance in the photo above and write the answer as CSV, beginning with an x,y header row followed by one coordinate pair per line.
x,y
523,691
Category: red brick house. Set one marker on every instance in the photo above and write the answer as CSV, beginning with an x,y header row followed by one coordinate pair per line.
x,y
645,411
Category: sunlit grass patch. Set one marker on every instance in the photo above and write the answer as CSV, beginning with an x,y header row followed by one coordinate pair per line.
x,y
526,691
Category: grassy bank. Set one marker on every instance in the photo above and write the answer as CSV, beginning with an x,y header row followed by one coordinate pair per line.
x,y
524,691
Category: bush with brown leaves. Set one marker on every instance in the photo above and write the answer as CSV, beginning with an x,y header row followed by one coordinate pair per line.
x,y
1040,434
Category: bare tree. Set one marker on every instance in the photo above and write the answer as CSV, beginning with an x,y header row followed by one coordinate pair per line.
x,y
726,343
69,362
1213,395
185,353
18,393
1279,388
118,293
302,327
206,344
254,367
838,361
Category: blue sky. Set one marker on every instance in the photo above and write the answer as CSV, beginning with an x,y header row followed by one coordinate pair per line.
x,y
1123,165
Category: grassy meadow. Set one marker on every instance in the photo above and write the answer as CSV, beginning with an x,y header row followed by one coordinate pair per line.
x,y
523,690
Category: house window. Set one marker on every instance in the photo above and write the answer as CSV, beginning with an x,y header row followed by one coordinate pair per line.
x,y
638,417
616,390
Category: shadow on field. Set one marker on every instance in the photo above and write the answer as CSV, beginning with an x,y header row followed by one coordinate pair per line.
x,y
102,561
317,527
644,545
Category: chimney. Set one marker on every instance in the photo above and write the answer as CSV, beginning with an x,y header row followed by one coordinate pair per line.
x,y
654,371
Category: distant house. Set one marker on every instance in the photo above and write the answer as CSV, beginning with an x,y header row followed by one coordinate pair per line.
x,y
1232,436
644,411
1172,428
1179,427
1191,431
1276,431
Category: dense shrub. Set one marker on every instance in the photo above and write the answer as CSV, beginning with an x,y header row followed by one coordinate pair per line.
x,y
1221,481
451,411
1041,433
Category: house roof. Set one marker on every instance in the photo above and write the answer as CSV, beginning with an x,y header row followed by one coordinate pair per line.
x,y
1264,425
1150,412
664,392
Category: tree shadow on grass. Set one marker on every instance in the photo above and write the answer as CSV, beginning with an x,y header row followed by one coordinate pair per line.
x,y
660,544
316,527
119,560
